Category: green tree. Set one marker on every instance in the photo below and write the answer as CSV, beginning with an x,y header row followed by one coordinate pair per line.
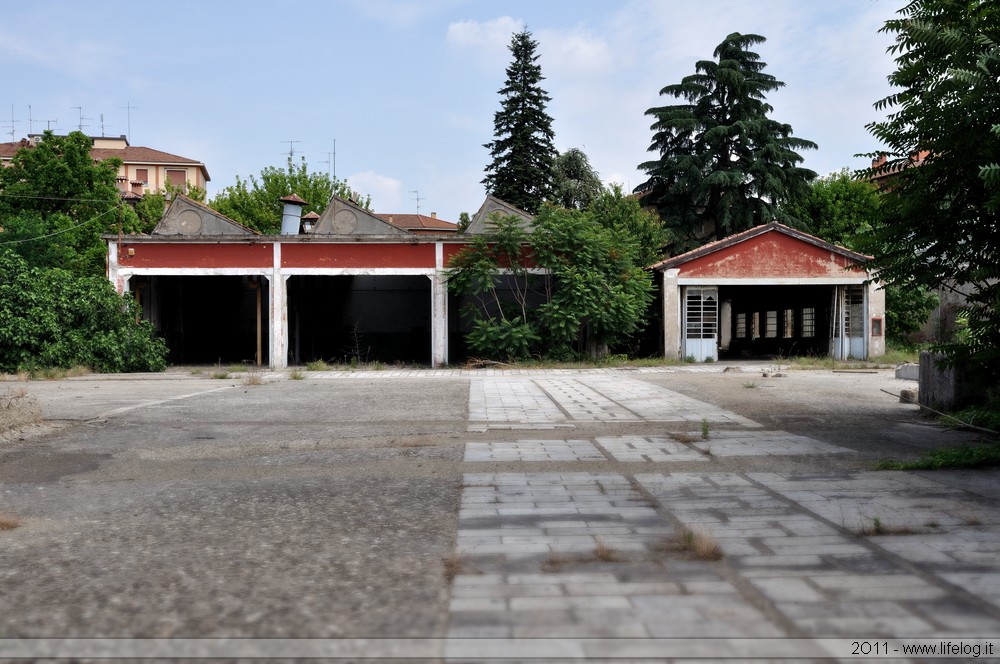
x,y
724,166
575,183
522,152
939,226
594,292
842,209
55,203
255,203
50,317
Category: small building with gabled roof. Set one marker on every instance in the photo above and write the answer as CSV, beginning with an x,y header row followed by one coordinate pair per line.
x,y
771,291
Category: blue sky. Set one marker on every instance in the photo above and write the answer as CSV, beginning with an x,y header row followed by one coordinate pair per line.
x,y
408,89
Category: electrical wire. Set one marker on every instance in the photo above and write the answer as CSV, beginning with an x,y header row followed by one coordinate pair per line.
x,y
65,230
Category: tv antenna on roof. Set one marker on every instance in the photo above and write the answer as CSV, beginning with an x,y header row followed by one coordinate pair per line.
x,y
291,148
417,198
128,118
80,126
13,124
331,161
103,125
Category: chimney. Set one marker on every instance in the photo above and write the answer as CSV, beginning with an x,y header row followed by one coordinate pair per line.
x,y
434,215
291,215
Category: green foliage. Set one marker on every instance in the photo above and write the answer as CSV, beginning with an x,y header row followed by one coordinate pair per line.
x,y
838,208
595,291
522,152
940,221
724,166
575,183
255,203
842,209
959,457
51,318
55,203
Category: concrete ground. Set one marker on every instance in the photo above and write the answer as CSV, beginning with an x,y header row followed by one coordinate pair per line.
x,y
601,509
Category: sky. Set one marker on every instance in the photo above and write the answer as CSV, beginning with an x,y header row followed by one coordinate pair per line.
x,y
404,91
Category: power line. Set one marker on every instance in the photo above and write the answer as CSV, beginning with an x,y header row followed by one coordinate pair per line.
x,y
65,230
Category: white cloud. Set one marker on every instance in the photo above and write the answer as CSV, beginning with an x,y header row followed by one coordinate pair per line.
x,y
386,192
487,41
575,51
68,54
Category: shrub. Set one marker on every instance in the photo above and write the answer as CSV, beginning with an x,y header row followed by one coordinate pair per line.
x,y
51,318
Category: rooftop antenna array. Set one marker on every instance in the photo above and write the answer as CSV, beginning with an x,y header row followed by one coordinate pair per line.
x,y
128,118
13,124
291,148
331,161
80,125
103,125
417,198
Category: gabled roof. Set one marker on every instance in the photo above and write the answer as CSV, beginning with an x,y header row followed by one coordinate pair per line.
x,y
189,217
128,155
420,223
480,223
342,217
757,231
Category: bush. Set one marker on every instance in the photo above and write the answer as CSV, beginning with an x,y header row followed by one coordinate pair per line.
x,y
51,318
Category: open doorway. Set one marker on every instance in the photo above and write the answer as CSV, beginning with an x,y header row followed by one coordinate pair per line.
x,y
359,319
774,321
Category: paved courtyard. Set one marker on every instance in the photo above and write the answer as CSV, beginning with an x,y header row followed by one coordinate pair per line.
x,y
611,514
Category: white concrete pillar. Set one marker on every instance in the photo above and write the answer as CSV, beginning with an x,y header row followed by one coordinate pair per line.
x,y
671,315
278,328
439,319
876,318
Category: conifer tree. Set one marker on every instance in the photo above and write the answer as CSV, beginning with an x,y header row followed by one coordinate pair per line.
x,y
522,152
724,165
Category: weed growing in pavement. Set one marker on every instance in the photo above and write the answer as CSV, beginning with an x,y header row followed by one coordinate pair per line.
x,y
959,457
973,520
685,437
555,562
453,566
694,543
9,522
604,553
704,428
318,365
220,375
296,374
254,377
750,385
879,527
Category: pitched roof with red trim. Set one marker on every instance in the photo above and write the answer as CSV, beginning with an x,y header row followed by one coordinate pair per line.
x,y
712,247
419,223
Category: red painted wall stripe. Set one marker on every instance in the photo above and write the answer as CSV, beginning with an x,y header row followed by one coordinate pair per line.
x,y
357,255
188,255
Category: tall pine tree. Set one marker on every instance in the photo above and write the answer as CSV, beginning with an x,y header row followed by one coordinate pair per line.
x,y
724,165
522,152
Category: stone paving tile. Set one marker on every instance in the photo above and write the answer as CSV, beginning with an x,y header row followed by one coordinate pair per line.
x,y
545,402
763,443
648,448
583,569
826,579
534,450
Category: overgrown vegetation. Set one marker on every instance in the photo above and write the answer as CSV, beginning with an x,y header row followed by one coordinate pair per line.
x,y
52,318
574,285
255,202
942,132
967,456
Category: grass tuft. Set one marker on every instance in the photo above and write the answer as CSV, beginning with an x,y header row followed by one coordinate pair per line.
x,y
9,522
695,543
958,457
604,553
453,566
318,365
296,374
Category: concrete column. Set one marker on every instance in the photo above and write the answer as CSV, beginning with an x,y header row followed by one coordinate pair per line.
x,y
439,319
278,328
671,315
876,309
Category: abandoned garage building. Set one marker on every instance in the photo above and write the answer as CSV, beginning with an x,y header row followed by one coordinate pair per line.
x,y
346,285
771,291
352,285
